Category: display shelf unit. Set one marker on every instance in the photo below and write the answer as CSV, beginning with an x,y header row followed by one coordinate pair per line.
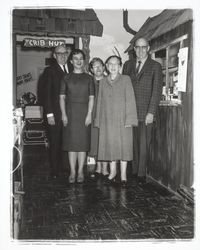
x,y
168,56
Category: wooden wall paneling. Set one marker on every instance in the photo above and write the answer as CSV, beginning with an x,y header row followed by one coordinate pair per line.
x,y
51,24
172,149
14,70
152,159
162,138
163,142
169,151
80,26
184,145
168,147
190,104
178,155
24,24
169,123
179,145
16,22
32,24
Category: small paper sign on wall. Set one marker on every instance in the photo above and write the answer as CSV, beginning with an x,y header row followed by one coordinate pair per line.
x,y
25,78
182,69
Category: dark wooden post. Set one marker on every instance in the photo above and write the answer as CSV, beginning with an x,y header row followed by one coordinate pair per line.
x,y
86,48
76,42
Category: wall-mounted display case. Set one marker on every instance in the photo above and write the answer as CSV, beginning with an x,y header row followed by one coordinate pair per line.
x,y
173,67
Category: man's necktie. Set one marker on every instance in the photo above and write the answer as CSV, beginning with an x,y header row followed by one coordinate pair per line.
x,y
64,69
138,67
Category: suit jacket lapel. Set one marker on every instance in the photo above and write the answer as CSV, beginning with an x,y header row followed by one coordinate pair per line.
x,y
146,64
59,70
132,67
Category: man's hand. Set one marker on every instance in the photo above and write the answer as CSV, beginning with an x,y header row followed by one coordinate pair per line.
x,y
149,119
51,120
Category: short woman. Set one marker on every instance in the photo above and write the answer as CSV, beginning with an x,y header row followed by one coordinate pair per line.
x,y
115,115
76,103
97,68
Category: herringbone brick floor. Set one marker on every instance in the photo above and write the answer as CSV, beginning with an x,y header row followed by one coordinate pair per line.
x,y
55,210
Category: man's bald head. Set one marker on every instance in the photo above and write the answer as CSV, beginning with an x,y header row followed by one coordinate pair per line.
x,y
141,48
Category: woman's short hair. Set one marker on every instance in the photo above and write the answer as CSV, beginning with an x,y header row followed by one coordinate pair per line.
x,y
76,52
95,59
110,57
114,56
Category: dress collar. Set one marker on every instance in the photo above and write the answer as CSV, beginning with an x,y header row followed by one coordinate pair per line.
x,y
113,81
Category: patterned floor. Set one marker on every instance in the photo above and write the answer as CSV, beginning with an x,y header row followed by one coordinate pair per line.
x,y
55,210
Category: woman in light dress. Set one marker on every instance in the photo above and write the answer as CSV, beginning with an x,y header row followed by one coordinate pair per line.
x,y
115,115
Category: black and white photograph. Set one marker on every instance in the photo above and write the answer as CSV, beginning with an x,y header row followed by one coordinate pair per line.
x,y
100,125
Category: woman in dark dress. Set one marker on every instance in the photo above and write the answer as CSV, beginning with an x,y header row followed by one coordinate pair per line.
x,y
97,68
76,103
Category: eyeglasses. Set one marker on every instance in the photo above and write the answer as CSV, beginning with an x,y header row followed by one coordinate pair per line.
x,y
141,47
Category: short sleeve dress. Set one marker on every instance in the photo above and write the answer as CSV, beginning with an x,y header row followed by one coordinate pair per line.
x,y
77,88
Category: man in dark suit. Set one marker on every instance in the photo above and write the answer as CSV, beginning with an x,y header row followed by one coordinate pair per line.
x,y
146,76
52,77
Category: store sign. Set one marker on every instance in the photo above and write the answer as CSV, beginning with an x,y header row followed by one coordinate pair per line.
x,y
42,43
25,78
182,69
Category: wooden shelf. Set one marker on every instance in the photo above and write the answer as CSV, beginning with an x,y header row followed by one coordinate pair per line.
x,y
170,70
173,102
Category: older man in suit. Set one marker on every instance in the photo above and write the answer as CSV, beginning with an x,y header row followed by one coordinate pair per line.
x,y
52,77
146,76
